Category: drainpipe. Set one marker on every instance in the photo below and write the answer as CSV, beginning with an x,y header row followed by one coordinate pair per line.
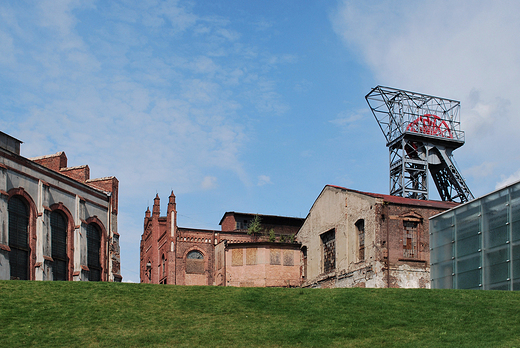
x,y
387,246
107,243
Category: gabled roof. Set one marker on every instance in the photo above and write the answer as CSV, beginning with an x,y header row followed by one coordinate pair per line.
x,y
400,200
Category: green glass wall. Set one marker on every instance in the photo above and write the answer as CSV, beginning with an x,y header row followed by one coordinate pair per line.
x,y
477,245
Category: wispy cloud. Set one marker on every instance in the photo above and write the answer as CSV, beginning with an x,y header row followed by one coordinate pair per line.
x,y
508,180
264,180
147,91
347,120
209,182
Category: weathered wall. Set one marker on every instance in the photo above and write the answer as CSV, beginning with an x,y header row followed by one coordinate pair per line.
x,y
328,212
44,189
387,260
161,237
262,265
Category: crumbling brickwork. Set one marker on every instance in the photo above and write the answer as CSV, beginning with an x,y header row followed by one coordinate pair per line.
x,y
394,240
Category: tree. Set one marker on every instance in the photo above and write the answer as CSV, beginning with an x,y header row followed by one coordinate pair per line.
x,y
272,236
255,226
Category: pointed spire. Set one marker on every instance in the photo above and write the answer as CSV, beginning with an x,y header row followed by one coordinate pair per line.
x,y
171,198
147,213
156,205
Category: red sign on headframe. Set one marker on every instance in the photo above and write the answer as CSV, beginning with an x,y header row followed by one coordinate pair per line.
x,y
430,125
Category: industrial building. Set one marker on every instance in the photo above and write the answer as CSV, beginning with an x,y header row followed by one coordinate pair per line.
x,y
56,222
231,256
360,239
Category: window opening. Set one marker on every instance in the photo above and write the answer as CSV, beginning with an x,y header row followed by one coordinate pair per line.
x,y
304,256
59,246
93,252
360,225
410,239
163,266
18,238
195,262
329,250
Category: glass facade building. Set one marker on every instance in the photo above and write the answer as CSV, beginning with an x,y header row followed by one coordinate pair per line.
x,y
477,244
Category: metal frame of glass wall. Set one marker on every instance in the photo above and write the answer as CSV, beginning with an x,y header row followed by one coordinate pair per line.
x,y
477,245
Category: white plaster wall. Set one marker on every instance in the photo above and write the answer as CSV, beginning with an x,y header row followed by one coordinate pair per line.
x,y
411,277
327,212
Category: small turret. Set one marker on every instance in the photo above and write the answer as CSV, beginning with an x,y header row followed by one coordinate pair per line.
x,y
171,202
156,206
172,215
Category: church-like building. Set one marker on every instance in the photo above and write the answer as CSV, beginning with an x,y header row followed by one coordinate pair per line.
x,y
232,256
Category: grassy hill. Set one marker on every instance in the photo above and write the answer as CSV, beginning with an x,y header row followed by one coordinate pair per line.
x,y
82,314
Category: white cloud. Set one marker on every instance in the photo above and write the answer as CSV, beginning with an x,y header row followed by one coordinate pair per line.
x,y
348,120
264,180
509,180
463,50
209,182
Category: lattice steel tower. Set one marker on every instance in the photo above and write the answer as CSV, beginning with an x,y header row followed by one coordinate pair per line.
x,y
421,133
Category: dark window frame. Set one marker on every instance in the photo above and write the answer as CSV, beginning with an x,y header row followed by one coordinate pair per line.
x,y
328,241
360,226
19,218
59,245
94,240
410,242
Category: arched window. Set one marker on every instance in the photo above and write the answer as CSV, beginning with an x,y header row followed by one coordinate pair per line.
x,y
195,262
18,238
59,246
163,265
93,252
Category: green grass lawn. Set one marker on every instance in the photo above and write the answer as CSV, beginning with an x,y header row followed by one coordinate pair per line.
x,y
83,314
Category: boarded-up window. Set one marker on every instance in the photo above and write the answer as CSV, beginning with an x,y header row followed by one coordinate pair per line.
x,y
195,262
275,257
410,239
251,256
360,226
288,258
219,259
237,257
328,240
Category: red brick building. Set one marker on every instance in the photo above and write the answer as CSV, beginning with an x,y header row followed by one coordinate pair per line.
x,y
186,256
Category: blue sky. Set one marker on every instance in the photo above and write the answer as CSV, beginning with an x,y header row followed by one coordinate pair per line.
x,y
250,106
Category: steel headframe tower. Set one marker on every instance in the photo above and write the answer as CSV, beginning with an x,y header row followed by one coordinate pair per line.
x,y
421,133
